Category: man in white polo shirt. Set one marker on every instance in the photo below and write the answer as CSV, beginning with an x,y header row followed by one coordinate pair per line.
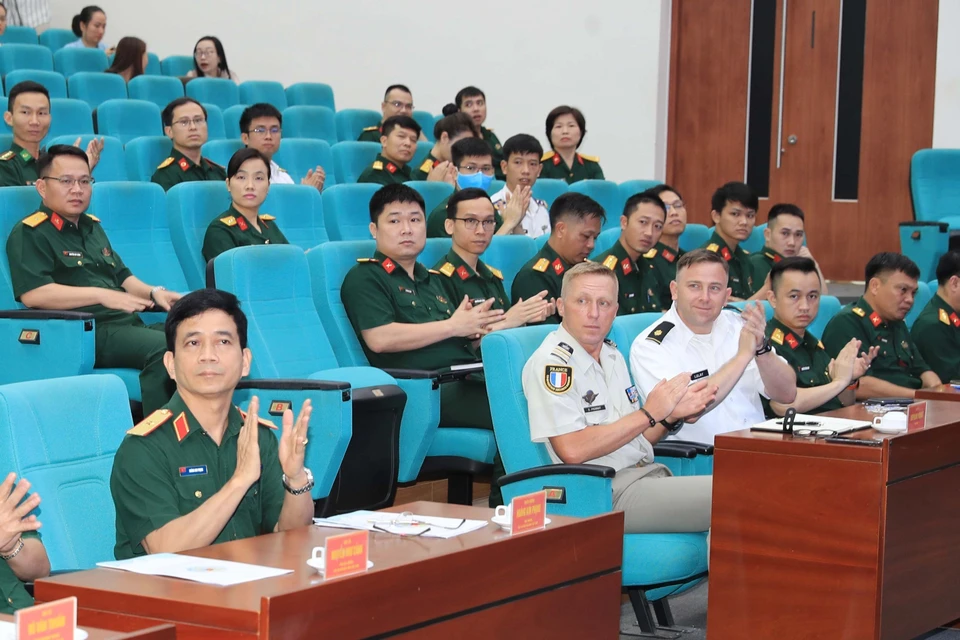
x,y
521,167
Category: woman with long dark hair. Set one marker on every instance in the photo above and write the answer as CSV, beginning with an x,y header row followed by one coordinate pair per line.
x,y
210,61
130,60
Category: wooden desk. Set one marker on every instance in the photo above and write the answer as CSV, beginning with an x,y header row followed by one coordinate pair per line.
x,y
818,540
562,582
159,632
944,392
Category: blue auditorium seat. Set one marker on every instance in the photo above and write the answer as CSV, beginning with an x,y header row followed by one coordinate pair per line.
x,y
159,90
6,139
433,250
549,189
317,123
351,122
56,39
231,120
177,66
95,88
69,116
495,186
24,56
112,166
626,328
423,150
605,240
55,83
216,130
190,208
756,241
76,60
129,119
219,91
270,92
631,187
346,209
311,94
694,236
433,192
920,300
508,254
829,306
351,158
144,155
220,151
297,156
607,193
15,34
299,212
427,121
153,67
935,184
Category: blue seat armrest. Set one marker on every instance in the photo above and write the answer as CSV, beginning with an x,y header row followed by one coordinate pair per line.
x,y
421,417
701,448
37,344
294,383
45,314
460,373
587,489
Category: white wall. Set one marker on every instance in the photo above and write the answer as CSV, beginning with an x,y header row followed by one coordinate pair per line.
x,y
604,57
946,105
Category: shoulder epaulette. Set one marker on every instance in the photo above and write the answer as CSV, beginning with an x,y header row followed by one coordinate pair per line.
x,y
650,255
93,217
745,252
658,334
713,246
230,221
433,271
373,128
548,155
563,352
209,161
777,336
496,272
427,166
35,219
7,155
541,265
857,310
590,158
366,260
166,163
610,262
447,269
944,317
377,166
268,217
281,169
610,342
263,422
149,424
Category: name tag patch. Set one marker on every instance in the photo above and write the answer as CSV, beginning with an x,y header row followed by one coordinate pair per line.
x,y
802,369
700,374
73,254
599,407
632,394
195,470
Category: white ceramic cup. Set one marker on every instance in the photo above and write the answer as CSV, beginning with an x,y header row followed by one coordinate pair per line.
x,y
317,554
503,511
892,421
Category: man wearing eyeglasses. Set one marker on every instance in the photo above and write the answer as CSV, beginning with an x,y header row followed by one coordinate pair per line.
x,y
261,127
397,101
185,123
61,259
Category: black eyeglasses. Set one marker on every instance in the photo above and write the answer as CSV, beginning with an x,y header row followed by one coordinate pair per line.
x,y
471,223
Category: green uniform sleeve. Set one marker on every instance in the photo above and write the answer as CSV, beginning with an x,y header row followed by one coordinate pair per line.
x,y
372,176
840,330
271,480
920,365
365,299
280,238
216,240
164,179
527,284
120,268
435,222
931,340
32,260
10,174
595,173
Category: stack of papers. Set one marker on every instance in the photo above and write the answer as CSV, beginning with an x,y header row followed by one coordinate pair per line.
x,y
208,571
840,425
402,524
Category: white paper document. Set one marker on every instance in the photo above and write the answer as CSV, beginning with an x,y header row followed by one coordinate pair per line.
x,y
804,421
402,524
206,570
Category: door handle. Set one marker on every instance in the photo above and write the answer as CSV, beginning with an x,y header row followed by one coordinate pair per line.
x,y
792,140
783,53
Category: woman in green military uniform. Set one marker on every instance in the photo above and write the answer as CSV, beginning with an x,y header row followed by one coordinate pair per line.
x,y
242,225
566,128
473,102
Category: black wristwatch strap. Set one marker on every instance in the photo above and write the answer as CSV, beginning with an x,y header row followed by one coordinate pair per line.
x,y
672,427
764,348
653,422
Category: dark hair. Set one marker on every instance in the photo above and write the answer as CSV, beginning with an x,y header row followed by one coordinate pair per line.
x,y
222,67
453,125
564,110
783,209
522,144
449,109
259,110
887,262
468,92
167,115
469,148
129,55
796,263
403,122
47,157
948,267
393,193
734,192
644,197
85,16
463,195
27,86
701,256
201,301
241,156
575,205
402,87
661,188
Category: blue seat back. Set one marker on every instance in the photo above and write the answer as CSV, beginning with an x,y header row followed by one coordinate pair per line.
x,y
299,212
69,117
95,88
694,236
220,151
215,126
219,91
177,66
65,448
113,162
549,189
159,90
508,254
231,120
56,39
346,208
924,295
153,67
351,158
54,82
297,156
24,56
6,139
351,122
605,240
433,250
128,119
495,186
15,34
311,94
285,333
767,307
935,183
755,242
190,208
632,187
829,306
607,193
427,121
423,150
77,60
433,192
625,330
305,121
270,92
144,155
16,203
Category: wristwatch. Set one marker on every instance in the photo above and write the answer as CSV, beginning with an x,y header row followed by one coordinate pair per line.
x,y
764,348
154,290
672,427
301,490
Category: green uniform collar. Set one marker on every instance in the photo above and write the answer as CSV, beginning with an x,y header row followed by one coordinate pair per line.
x,y
809,342
553,258
179,408
722,245
59,222
233,211
863,309
619,252
667,253
482,271
772,255
420,272
178,156
23,153
402,169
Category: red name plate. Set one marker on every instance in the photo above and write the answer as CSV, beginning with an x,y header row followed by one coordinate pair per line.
x,y
528,513
346,554
916,416
55,620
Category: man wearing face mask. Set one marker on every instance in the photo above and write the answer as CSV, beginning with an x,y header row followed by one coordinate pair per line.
x,y
473,161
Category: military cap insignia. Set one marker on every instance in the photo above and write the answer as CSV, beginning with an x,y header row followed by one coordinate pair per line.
x,y
857,310
627,266
588,158
713,246
184,164
777,336
558,267
496,272
230,221
650,255
35,219
610,262
541,265
7,155
427,166
151,422
661,331
557,379
377,166
447,269
268,217
462,272
166,163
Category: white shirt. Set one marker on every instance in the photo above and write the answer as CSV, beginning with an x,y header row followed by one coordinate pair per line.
x,y
278,175
679,349
536,220
567,391
78,44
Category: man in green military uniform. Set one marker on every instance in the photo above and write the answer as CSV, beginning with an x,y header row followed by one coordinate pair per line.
x,y
397,101
640,228
936,331
60,258
199,471
399,142
447,131
664,255
575,223
734,212
28,115
473,102
470,220
185,123
823,383
22,556
876,319
783,238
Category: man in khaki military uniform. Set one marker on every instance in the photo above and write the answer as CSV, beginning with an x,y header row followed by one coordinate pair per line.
x,y
185,123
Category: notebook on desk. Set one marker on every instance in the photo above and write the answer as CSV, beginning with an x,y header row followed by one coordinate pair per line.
x,y
814,422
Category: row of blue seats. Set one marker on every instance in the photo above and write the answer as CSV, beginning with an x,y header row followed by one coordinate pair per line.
x,y
935,187
66,61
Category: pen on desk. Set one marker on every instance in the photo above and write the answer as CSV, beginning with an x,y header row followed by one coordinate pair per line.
x,y
857,441
803,424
